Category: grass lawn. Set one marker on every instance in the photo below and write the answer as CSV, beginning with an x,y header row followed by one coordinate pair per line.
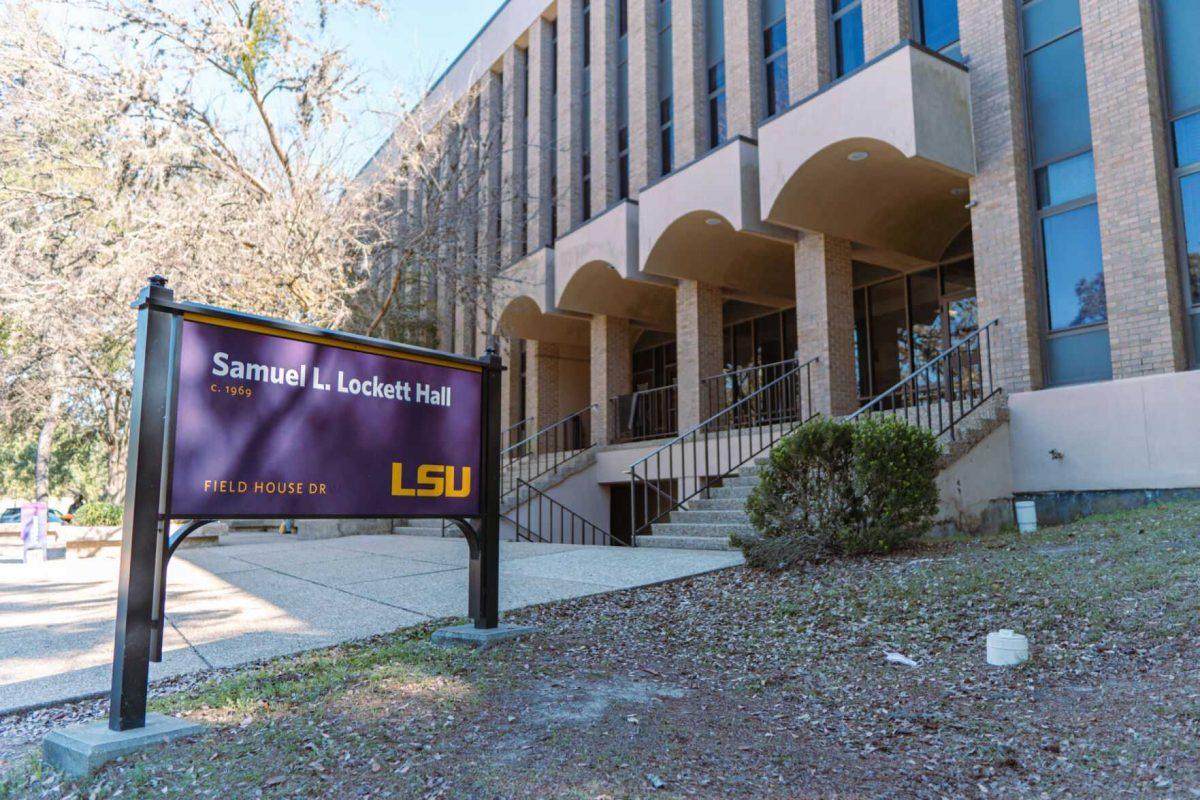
x,y
742,684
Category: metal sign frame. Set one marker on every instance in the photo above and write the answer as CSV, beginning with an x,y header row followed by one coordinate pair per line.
x,y
147,543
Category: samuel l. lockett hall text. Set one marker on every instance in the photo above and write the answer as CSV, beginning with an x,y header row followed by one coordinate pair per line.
x,y
302,377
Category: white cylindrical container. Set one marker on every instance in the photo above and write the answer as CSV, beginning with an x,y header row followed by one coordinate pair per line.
x,y
1006,649
1026,516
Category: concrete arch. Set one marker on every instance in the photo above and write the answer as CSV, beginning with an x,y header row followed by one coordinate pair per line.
x,y
521,317
597,287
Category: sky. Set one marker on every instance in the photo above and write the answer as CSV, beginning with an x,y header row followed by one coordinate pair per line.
x,y
406,50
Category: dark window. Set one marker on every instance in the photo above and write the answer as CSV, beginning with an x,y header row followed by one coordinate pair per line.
x,y
622,17
587,186
665,77
665,112
1189,196
587,34
937,22
848,51
623,163
718,131
775,71
623,99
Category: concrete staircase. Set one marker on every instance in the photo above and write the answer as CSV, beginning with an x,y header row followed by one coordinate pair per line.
x,y
707,522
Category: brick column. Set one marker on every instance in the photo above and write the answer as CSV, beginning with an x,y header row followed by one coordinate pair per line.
x,y
611,370
644,163
541,390
513,158
886,23
698,347
1133,191
541,147
825,320
744,66
604,104
1005,271
570,123
689,90
808,47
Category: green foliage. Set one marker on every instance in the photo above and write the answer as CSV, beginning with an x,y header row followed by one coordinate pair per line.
x,y
837,488
98,514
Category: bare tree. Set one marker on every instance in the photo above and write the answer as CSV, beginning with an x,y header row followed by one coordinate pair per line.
x,y
126,162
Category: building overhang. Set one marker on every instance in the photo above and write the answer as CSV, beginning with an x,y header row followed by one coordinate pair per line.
x,y
703,222
524,298
596,272
881,157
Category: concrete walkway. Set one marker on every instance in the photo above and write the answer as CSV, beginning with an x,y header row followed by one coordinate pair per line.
x,y
261,595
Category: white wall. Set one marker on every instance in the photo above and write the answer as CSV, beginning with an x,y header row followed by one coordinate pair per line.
x,y
1137,433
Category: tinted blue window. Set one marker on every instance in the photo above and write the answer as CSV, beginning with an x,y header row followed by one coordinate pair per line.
x,y
1189,194
1080,357
1044,20
1058,101
1187,140
714,29
848,41
1066,180
1181,45
939,23
1074,273
772,10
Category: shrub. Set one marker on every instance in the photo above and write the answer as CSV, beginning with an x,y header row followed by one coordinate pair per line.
x,y
97,514
837,488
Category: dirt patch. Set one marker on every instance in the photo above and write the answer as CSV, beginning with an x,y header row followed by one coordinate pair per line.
x,y
743,684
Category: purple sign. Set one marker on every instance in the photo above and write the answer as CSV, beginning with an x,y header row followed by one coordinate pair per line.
x,y
275,424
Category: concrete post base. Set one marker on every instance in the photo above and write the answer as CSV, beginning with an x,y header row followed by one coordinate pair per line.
x,y
469,636
80,749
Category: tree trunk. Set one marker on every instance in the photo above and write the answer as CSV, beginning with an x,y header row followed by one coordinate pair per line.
x,y
45,443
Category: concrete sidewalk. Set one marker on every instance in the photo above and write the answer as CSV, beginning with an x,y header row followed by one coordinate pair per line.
x,y
261,595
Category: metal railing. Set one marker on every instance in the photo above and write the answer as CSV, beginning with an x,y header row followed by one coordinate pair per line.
x,y
939,395
514,433
546,450
537,517
730,388
700,458
646,414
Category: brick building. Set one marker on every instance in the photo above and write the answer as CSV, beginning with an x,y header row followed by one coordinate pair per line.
x,y
694,197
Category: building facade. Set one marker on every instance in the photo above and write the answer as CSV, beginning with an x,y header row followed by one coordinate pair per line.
x,y
690,195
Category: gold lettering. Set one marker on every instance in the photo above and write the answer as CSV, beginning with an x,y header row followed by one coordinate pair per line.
x,y
464,489
430,475
398,489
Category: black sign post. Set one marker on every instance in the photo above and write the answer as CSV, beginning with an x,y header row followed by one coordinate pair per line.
x,y
147,543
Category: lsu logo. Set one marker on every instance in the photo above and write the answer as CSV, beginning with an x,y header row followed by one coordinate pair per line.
x,y
433,480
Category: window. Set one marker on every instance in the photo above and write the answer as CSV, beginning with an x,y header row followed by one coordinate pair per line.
x,y
623,99
714,34
522,195
847,28
665,78
1179,22
937,25
775,70
585,115
1060,137
553,132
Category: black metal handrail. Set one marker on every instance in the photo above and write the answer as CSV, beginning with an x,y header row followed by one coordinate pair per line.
x,y
731,387
514,433
547,449
644,414
713,450
939,395
538,517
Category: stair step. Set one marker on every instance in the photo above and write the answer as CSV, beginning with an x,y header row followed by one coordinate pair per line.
x,y
422,530
741,480
720,530
717,504
684,542
708,516
731,491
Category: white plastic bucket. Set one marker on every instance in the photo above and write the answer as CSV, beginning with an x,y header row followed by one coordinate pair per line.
x,y
1026,516
1006,649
